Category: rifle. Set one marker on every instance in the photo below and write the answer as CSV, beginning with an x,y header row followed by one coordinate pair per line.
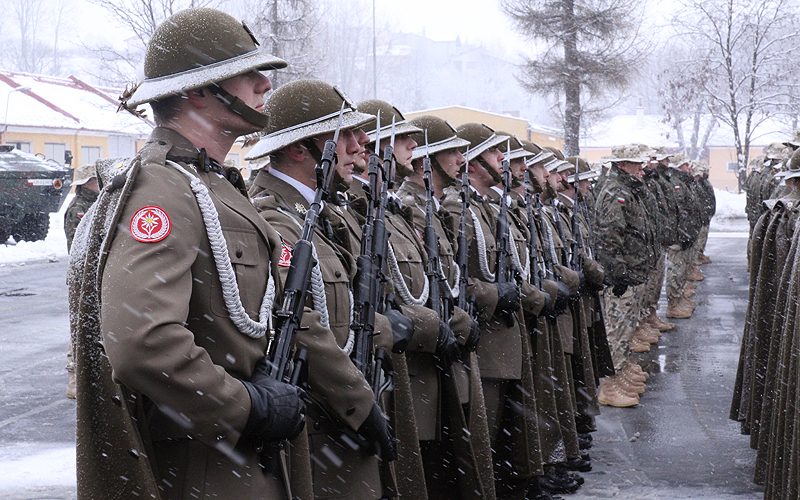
x,y
537,267
462,257
368,292
578,245
439,298
287,319
565,254
503,232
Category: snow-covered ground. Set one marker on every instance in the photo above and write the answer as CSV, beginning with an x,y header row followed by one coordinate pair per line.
x,y
53,247
730,215
29,466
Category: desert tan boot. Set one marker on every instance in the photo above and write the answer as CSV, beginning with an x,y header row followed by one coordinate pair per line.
x,y
696,274
633,374
676,310
633,365
688,304
628,386
611,395
639,345
689,291
72,389
702,259
645,334
657,323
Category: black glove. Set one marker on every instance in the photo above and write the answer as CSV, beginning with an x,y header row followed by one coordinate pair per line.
x,y
508,300
582,280
620,286
474,337
378,432
447,348
686,245
562,298
277,410
548,304
402,330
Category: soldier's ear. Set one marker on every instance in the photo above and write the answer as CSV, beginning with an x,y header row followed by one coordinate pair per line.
x,y
197,98
296,152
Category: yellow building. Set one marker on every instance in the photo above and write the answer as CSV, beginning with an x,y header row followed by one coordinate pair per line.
x,y
51,116
520,127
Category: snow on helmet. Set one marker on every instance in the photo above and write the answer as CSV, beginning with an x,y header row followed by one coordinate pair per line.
x,y
441,136
195,48
481,137
388,113
303,109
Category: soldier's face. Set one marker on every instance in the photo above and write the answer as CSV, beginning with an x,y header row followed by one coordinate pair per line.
x,y
450,161
403,149
635,169
541,175
555,181
362,158
346,152
250,88
518,169
584,186
494,158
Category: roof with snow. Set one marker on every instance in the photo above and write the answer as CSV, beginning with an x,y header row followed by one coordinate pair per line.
x,y
653,131
65,103
539,128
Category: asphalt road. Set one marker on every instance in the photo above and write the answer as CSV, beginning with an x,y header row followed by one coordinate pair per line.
x,y
677,444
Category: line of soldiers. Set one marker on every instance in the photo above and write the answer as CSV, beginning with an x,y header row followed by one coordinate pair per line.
x,y
391,309
765,389
652,216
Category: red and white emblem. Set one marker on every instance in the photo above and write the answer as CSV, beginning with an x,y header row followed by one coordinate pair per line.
x,y
621,200
150,224
286,255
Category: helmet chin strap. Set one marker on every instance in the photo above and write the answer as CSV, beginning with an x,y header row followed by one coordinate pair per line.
x,y
495,175
238,106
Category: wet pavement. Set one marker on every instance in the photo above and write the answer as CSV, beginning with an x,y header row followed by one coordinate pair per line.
x,y
678,442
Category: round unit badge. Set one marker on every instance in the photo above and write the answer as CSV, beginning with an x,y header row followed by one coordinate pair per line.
x,y
150,224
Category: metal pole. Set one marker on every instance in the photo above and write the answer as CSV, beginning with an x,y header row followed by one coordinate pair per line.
x,y
374,56
5,120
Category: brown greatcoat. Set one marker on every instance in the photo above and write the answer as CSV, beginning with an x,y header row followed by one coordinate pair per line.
x,y
781,479
504,356
335,385
443,420
159,361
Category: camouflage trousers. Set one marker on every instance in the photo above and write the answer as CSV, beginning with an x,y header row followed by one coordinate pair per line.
x,y
652,287
679,264
702,239
622,318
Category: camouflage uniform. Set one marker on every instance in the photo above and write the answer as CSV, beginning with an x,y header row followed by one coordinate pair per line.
x,y
680,257
624,249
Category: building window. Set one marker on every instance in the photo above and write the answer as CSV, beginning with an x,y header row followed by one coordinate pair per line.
x,y
90,154
121,146
55,151
733,166
25,147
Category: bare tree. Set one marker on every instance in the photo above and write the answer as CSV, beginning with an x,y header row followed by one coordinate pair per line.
x,y
590,48
290,29
29,55
117,66
745,48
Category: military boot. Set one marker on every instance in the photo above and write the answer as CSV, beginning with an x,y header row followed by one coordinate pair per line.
x,y
632,365
689,291
72,388
702,259
639,345
611,395
633,374
657,323
629,386
688,304
696,274
645,334
675,309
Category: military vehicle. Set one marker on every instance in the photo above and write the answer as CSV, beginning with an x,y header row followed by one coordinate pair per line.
x,y
30,188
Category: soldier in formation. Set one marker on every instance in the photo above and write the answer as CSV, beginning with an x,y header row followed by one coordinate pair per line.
x,y
391,309
765,389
